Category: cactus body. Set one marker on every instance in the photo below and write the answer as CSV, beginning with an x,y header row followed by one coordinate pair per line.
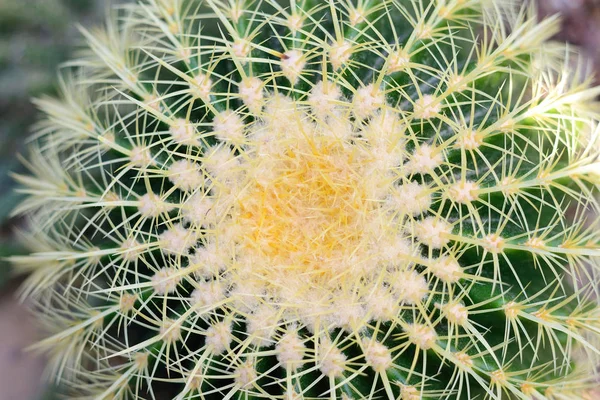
x,y
339,199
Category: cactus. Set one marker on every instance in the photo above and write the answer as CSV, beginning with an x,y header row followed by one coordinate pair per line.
x,y
318,199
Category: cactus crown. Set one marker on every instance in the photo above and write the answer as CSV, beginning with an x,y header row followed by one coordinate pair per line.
x,y
337,199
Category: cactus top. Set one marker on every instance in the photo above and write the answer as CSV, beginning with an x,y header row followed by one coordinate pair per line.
x,y
338,199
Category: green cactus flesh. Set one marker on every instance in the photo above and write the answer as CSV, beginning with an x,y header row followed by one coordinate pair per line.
x,y
318,199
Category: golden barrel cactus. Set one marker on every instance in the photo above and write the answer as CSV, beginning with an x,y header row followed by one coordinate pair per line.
x,y
339,199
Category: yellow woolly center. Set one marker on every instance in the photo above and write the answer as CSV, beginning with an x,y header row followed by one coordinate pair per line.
x,y
309,215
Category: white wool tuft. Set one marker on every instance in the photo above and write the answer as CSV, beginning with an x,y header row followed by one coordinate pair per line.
x,y
332,362
292,65
218,337
165,280
433,232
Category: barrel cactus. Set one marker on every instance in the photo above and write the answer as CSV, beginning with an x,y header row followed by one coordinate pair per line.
x,y
237,199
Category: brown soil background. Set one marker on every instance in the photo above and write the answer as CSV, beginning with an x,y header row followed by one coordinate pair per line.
x,y
580,25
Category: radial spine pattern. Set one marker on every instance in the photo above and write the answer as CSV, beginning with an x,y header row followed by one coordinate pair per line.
x,y
342,199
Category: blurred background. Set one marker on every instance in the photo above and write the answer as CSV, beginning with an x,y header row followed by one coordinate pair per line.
x,y
35,37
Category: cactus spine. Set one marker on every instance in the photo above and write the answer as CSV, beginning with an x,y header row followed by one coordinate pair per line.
x,y
338,199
